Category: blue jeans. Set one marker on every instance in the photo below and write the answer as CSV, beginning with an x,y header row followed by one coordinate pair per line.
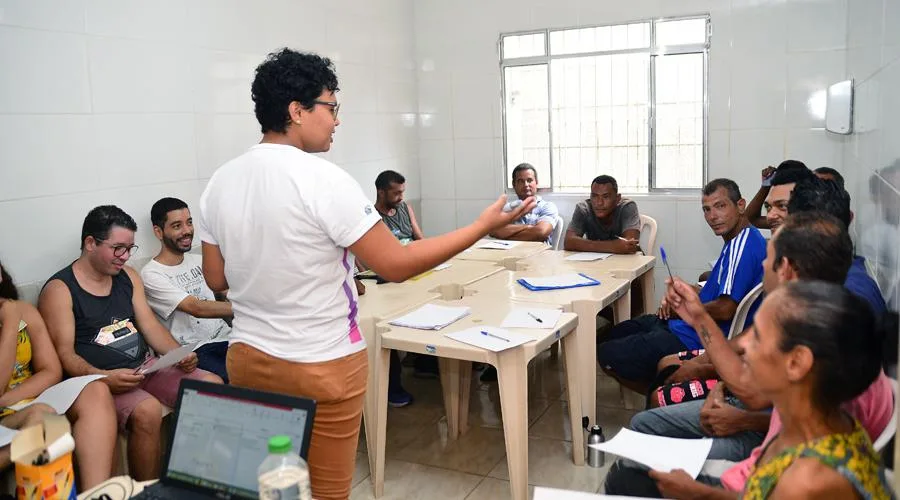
x,y
211,357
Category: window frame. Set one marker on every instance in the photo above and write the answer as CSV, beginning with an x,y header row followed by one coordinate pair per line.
x,y
652,51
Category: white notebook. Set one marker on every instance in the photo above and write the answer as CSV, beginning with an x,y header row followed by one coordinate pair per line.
x,y
588,256
489,337
496,244
431,317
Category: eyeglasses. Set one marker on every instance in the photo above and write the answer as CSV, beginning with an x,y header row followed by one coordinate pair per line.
x,y
335,107
120,250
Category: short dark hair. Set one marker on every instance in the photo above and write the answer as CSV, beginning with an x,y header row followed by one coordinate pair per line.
x,y
521,167
841,331
816,244
388,177
606,179
734,192
160,210
8,289
287,76
101,219
791,171
832,172
814,194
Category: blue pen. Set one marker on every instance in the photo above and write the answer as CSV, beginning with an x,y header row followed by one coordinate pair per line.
x,y
662,252
489,334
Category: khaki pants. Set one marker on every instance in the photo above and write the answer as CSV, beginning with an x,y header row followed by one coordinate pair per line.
x,y
339,388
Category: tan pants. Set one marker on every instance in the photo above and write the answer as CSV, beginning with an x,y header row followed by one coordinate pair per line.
x,y
339,388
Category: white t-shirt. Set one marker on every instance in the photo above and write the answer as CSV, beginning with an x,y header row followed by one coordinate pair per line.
x,y
283,220
166,286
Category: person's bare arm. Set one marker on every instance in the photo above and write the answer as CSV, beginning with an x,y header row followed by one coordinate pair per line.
x,y
384,254
156,335
509,231
679,485
808,478
576,243
727,362
213,267
754,209
722,308
46,369
205,308
538,232
55,305
10,315
416,230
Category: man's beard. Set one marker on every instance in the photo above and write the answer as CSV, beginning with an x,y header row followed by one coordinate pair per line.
x,y
172,244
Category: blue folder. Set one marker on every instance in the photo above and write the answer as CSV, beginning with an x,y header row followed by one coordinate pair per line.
x,y
592,282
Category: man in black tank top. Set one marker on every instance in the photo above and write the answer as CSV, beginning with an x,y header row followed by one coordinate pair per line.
x,y
98,316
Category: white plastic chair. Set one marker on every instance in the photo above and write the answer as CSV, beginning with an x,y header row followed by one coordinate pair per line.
x,y
885,437
648,222
740,316
558,232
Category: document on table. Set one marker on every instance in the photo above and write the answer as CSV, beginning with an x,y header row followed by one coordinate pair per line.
x,y
559,281
489,337
60,396
171,358
496,244
441,267
659,453
431,317
588,256
532,318
541,493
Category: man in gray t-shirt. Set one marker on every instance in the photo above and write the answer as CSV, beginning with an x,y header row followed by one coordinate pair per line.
x,y
606,222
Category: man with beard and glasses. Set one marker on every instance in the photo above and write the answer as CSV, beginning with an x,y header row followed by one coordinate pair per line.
x,y
177,292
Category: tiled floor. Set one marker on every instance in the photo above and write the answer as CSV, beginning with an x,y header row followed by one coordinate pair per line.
x,y
423,463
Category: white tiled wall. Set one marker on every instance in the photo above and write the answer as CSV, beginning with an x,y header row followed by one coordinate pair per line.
x,y
123,102
873,61
768,57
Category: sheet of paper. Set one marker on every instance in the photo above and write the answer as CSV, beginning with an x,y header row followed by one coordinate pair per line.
x,y
558,281
588,256
171,358
489,337
431,317
61,396
443,266
701,284
496,244
6,436
528,318
659,453
541,493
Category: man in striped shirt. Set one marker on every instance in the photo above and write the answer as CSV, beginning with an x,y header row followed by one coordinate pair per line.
x,y
632,349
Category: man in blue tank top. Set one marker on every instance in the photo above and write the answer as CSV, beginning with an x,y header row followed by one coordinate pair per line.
x,y
101,324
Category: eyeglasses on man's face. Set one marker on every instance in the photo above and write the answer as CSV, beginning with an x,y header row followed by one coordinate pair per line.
x,y
120,250
334,105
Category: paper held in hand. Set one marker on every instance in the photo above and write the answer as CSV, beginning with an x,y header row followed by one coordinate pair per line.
x,y
431,317
61,396
664,454
171,358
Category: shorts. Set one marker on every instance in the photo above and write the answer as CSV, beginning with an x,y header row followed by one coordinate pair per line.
x,y
162,385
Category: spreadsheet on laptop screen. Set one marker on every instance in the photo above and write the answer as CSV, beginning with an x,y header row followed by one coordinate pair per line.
x,y
220,441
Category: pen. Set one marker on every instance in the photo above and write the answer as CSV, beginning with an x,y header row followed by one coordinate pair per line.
x,y
539,320
662,252
489,334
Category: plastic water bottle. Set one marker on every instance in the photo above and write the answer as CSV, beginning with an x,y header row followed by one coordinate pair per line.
x,y
596,458
283,475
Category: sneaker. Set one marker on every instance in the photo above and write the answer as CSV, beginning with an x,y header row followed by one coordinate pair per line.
x,y
489,374
399,399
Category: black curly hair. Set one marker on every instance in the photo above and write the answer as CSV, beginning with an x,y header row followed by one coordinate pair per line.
x,y
8,289
287,76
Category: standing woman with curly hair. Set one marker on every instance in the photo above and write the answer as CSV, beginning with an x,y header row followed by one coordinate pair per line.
x,y
280,228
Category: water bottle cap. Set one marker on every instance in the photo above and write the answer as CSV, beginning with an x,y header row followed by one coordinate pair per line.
x,y
280,444
596,429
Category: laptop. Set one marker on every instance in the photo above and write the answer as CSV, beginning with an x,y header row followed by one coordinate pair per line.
x,y
221,436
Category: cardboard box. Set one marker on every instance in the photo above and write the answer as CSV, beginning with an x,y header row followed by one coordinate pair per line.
x,y
51,481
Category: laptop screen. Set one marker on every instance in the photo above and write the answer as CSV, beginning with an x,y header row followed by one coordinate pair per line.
x,y
220,441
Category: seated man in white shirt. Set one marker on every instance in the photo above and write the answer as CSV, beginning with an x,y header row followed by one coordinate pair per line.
x,y
536,225
177,291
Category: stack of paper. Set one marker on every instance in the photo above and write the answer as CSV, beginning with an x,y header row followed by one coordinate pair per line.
x,y
532,318
489,337
557,282
588,256
431,317
496,244
659,453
